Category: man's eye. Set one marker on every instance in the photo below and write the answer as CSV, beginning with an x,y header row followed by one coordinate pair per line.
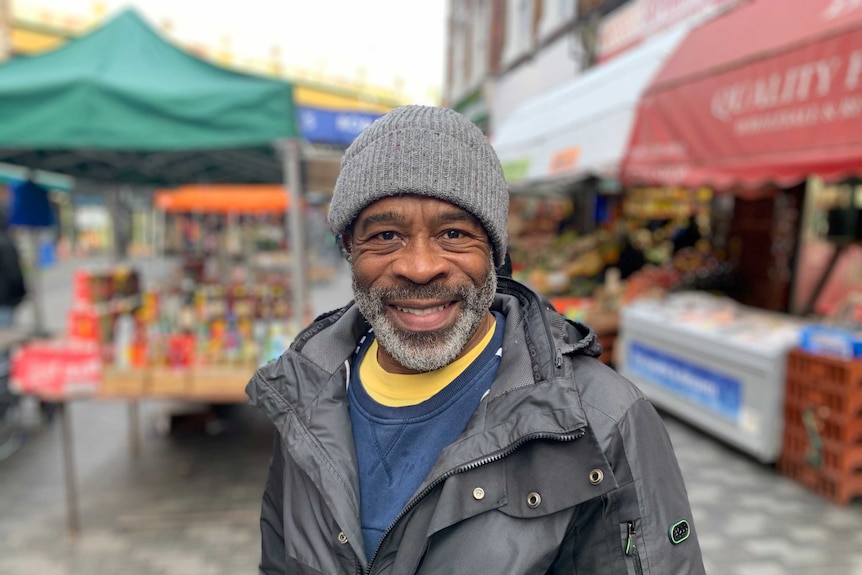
x,y
386,236
453,234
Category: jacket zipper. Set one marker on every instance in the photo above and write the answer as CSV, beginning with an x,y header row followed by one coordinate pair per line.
x,y
632,548
577,434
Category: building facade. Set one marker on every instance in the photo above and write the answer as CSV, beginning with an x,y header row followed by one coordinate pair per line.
x,y
503,53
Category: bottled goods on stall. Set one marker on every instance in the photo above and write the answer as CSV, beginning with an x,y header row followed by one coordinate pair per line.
x,y
185,323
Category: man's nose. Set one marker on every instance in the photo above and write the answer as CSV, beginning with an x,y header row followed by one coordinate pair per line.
x,y
421,261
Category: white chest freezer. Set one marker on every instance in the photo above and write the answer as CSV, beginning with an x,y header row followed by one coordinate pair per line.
x,y
712,362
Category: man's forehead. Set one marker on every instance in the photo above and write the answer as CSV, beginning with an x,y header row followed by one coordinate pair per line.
x,y
397,208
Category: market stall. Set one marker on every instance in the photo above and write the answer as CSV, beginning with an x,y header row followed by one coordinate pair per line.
x,y
193,338
156,116
223,311
780,104
561,153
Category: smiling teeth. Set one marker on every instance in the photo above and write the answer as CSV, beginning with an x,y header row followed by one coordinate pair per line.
x,y
421,311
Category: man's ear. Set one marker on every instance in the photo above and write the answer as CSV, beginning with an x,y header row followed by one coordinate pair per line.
x,y
347,242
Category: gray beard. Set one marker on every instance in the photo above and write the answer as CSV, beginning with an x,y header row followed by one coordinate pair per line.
x,y
426,351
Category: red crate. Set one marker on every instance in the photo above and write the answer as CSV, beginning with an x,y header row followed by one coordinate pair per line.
x,y
831,372
840,400
822,446
822,452
838,488
829,424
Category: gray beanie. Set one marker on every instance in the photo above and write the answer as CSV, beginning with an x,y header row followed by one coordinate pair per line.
x,y
428,151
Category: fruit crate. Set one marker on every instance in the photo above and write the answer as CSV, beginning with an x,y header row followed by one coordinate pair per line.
x,y
822,446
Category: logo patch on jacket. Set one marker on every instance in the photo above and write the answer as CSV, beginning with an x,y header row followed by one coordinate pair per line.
x,y
679,532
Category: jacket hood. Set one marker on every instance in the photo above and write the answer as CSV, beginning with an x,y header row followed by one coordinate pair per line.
x,y
331,340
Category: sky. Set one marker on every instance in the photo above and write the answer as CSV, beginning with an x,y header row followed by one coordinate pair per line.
x,y
389,43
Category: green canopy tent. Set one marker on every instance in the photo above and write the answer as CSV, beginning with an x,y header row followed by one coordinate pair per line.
x,y
121,105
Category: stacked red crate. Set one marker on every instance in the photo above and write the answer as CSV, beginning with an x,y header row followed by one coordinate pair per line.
x,y
823,425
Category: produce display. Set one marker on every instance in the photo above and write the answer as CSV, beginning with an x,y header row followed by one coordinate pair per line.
x,y
662,235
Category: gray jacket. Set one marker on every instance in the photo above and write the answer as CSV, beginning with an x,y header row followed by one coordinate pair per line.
x,y
564,467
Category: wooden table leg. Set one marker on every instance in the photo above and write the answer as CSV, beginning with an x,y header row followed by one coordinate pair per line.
x,y
73,522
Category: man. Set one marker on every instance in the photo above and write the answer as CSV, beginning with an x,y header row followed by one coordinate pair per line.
x,y
448,421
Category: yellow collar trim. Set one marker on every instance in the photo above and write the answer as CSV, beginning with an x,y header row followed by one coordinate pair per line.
x,y
401,389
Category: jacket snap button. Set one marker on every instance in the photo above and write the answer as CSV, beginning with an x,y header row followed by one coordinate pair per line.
x,y
342,538
478,494
596,476
533,500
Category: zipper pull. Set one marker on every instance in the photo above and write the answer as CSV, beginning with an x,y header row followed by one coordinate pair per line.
x,y
631,546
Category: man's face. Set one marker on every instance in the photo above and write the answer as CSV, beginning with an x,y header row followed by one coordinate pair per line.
x,y
423,277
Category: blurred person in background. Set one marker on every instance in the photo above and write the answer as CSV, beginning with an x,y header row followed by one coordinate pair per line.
x,y
12,285
687,236
448,420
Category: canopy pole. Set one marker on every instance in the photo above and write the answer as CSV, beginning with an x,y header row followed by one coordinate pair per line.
x,y
113,202
73,232
291,159
34,283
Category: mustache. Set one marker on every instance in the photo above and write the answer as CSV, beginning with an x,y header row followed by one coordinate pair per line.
x,y
430,291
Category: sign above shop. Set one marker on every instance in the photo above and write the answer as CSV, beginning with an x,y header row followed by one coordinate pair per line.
x,y
638,20
778,105
332,127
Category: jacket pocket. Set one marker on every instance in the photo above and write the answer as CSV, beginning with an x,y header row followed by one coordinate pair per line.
x,y
622,508
631,546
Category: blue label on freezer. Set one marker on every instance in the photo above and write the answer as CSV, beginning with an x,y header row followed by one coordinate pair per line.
x,y
714,391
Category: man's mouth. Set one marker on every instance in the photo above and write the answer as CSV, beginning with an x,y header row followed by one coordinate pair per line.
x,y
422,311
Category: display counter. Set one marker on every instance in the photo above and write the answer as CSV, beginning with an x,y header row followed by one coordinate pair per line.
x,y
712,362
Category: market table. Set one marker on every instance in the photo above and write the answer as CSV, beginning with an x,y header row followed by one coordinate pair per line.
x,y
211,386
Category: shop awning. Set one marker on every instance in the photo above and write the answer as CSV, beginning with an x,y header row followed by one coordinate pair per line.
x,y
770,92
223,199
581,128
